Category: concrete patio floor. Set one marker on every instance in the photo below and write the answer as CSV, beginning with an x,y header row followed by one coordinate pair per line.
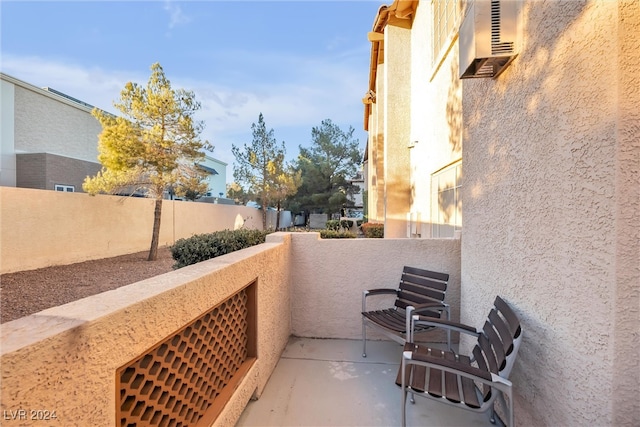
x,y
326,382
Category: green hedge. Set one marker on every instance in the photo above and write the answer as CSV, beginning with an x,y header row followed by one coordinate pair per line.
x,y
332,234
333,224
201,247
373,230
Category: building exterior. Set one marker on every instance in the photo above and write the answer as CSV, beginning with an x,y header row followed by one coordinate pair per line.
x,y
216,180
537,168
49,141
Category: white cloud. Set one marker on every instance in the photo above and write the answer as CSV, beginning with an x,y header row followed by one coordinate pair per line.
x,y
176,16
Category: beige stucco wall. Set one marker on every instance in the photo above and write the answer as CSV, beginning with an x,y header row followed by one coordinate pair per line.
x,y
436,113
65,358
39,228
329,275
375,147
397,127
551,210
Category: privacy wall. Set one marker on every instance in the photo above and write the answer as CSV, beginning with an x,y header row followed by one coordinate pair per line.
x,y
40,228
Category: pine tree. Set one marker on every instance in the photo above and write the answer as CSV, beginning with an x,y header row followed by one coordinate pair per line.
x,y
260,166
152,148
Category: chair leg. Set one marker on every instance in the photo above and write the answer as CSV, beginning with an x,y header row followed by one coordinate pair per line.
x,y
404,393
364,338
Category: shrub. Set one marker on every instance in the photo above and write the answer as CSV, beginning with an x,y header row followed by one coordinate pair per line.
x,y
332,234
373,230
333,224
202,247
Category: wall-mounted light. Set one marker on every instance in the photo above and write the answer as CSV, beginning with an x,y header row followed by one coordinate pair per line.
x,y
369,97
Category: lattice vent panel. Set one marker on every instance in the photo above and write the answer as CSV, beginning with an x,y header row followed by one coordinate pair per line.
x,y
176,382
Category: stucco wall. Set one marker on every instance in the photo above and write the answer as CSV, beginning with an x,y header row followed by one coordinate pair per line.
x,y
397,127
436,113
626,378
328,277
64,359
551,211
41,228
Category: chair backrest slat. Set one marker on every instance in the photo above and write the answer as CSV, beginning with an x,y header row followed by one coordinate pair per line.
x,y
423,282
509,315
418,293
479,358
419,286
487,352
496,344
422,272
503,331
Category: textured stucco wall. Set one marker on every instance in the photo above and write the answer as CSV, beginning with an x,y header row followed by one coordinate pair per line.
x,y
65,358
626,363
328,277
45,124
436,113
397,127
41,228
551,211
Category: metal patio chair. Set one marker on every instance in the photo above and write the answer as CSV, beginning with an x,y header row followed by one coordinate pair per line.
x,y
420,292
471,382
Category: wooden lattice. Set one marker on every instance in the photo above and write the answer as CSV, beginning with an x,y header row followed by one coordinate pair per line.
x,y
179,381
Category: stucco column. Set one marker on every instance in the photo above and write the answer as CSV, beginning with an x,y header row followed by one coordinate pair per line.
x,y
397,129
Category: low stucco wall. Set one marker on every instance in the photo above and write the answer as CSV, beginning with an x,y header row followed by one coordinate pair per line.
x,y
328,277
41,228
64,359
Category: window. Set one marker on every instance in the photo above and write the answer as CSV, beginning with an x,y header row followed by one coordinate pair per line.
x,y
446,203
445,17
65,188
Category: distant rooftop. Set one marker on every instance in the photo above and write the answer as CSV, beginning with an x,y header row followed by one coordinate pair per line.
x,y
71,98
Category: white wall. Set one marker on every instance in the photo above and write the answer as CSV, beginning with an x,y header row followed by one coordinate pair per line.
x,y
7,149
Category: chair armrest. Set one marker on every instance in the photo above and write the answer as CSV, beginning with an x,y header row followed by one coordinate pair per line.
x,y
432,306
378,291
444,324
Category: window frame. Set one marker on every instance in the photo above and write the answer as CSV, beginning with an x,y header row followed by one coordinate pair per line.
x,y
64,188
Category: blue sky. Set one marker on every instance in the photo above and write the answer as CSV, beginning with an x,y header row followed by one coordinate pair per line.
x,y
297,62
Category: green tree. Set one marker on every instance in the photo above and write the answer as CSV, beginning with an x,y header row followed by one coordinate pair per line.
x,y
286,183
237,193
333,158
260,167
153,147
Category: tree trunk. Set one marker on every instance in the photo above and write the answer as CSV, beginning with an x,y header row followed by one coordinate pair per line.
x,y
278,216
264,217
155,237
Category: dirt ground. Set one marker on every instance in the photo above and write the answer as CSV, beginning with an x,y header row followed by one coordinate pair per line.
x,y
28,292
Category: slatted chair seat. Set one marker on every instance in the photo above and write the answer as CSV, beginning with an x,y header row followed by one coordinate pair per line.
x,y
471,382
420,292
